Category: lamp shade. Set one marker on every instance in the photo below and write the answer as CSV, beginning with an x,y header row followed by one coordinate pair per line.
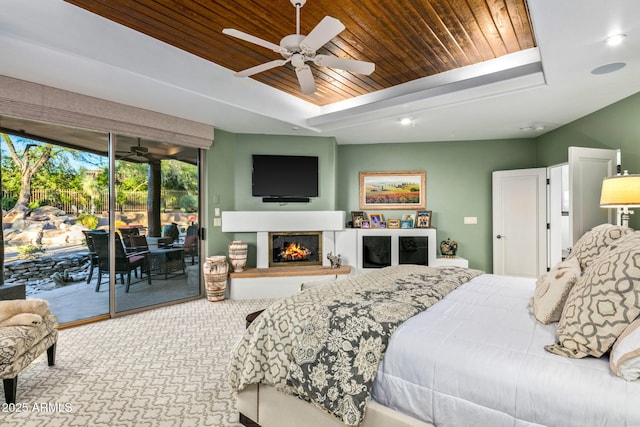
x,y
620,191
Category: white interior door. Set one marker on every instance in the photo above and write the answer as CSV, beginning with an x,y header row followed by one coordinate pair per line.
x,y
587,168
519,222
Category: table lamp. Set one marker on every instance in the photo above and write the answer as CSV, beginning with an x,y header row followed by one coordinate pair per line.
x,y
621,192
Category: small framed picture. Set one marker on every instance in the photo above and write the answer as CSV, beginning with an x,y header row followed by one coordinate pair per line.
x,y
365,224
406,223
383,224
375,219
357,217
423,219
409,217
393,223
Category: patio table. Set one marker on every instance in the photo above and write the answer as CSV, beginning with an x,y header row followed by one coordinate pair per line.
x,y
167,261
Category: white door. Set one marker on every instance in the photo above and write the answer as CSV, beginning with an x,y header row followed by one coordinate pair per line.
x,y
587,168
519,222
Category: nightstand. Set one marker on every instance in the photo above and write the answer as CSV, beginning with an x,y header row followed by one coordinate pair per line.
x,y
457,262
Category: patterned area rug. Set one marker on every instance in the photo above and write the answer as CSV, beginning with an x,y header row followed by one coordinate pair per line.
x,y
164,367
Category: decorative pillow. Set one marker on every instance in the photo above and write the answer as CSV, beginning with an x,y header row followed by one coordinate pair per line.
x,y
603,302
625,356
552,290
594,241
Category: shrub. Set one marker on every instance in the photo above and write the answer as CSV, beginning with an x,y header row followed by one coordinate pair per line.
x,y
9,202
29,250
88,220
189,203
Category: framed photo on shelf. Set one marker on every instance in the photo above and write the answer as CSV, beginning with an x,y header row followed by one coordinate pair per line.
x,y
357,217
365,224
406,223
423,219
376,220
393,190
393,223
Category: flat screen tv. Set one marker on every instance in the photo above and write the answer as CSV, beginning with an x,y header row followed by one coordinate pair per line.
x,y
277,177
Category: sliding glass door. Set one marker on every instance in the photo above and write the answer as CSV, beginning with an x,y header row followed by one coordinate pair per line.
x,y
156,223
98,224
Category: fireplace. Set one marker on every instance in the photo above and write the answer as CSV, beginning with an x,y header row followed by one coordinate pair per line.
x,y
295,248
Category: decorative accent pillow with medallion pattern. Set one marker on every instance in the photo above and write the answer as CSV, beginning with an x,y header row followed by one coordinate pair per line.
x,y
603,302
552,290
595,241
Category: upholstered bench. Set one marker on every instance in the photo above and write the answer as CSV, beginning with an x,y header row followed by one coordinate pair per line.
x,y
20,345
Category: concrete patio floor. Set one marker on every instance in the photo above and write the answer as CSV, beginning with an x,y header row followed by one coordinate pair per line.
x,y
80,301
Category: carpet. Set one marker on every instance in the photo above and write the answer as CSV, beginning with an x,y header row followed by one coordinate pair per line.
x,y
164,367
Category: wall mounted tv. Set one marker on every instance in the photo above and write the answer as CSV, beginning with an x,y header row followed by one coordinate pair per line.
x,y
279,178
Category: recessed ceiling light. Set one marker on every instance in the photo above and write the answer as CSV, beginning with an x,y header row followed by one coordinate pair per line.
x,y
608,68
406,121
615,39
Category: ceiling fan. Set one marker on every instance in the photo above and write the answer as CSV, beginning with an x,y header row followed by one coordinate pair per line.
x,y
135,152
298,49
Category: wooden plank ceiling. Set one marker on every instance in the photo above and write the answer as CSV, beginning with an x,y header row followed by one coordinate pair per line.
x,y
406,40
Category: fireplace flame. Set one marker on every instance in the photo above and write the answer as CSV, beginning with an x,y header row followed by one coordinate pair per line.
x,y
294,252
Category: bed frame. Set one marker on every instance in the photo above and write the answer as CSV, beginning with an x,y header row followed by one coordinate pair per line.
x,y
262,405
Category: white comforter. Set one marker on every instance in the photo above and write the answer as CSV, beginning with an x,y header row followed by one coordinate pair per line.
x,y
477,358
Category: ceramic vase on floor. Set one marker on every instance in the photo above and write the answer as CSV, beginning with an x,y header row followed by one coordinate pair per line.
x,y
215,270
238,255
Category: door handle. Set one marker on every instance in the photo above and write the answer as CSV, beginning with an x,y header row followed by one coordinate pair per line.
x,y
499,236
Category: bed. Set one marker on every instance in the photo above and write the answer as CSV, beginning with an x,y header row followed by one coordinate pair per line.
x,y
476,356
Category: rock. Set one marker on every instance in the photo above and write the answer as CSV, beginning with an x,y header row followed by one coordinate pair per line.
x,y
49,211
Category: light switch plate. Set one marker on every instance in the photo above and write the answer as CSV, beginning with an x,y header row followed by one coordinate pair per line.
x,y
217,222
216,212
470,219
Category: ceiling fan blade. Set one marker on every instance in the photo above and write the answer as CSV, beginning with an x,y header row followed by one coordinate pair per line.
x,y
326,29
351,65
306,80
260,68
251,39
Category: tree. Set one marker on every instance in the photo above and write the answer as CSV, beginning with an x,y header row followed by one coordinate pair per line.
x,y
31,161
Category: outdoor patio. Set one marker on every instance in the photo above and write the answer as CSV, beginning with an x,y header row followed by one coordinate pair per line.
x,y
80,301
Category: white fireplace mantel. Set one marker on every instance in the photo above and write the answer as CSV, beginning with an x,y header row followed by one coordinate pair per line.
x,y
255,221
264,222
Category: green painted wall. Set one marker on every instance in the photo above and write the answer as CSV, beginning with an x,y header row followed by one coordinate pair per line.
x,y
219,185
616,126
228,179
458,173
247,145
458,183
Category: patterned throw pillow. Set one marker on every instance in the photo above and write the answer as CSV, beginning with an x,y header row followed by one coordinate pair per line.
x,y
625,356
603,302
594,241
552,290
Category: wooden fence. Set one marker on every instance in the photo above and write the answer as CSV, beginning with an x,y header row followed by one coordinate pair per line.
x,y
73,202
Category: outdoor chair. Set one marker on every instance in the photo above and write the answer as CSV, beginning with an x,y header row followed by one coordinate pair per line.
x,y
93,256
124,262
138,243
190,247
127,232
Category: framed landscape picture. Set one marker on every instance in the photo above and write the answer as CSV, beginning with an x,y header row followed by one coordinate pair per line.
x,y
393,190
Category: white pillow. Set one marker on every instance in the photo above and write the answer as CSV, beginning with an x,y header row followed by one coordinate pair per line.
x,y
625,356
552,290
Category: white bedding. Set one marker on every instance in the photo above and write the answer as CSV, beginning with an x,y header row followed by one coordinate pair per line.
x,y
477,358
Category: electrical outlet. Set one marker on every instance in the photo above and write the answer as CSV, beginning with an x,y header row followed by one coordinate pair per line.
x,y
470,219
217,222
